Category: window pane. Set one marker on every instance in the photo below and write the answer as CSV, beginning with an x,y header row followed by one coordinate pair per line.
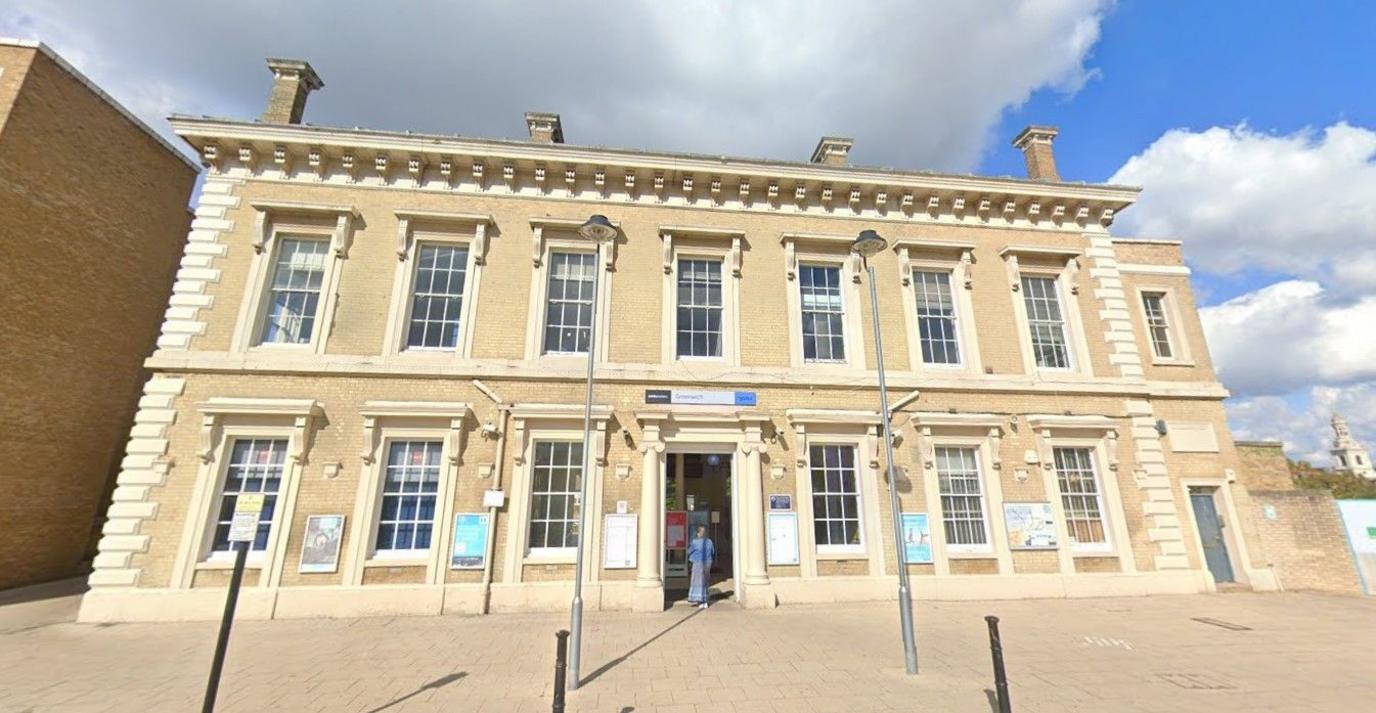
x,y
294,293
835,495
568,314
255,466
1044,321
962,496
1080,495
1158,327
408,495
699,308
554,509
822,315
936,318
437,296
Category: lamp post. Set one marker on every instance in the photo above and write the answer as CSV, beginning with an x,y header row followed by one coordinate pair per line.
x,y
866,245
598,230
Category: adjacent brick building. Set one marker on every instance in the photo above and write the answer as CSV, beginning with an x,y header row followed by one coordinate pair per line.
x,y
391,329
93,217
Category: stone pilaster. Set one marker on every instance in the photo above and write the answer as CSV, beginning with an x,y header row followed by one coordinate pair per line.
x,y
1113,307
182,321
1158,500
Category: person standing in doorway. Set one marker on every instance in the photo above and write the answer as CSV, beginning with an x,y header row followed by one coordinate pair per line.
x,y
701,552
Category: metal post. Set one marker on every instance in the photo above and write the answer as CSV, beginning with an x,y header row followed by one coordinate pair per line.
x,y
905,602
1000,678
576,623
561,652
217,665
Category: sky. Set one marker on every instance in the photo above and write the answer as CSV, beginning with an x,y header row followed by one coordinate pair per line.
x,y
1251,130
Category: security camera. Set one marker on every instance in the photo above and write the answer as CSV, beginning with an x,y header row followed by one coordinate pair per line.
x,y
489,430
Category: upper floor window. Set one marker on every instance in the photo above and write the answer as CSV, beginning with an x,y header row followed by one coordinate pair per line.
x,y
407,520
962,498
294,293
1158,324
1045,322
936,318
556,480
437,297
835,498
1081,497
568,302
699,308
823,313
255,466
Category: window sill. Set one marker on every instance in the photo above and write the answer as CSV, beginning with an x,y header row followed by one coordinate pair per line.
x,y
834,555
969,554
537,560
407,560
1157,361
1089,552
227,563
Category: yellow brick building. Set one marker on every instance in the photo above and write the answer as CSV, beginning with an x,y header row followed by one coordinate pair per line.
x,y
391,330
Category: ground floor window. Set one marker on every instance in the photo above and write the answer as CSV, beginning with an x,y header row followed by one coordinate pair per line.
x,y
407,519
255,466
556,479
835,498
1080,496
962,498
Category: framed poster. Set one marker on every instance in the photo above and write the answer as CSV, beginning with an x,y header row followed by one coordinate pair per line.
x,y
470,541
618,541
675,530
917,538
1030,526
781,502
320,546
783,538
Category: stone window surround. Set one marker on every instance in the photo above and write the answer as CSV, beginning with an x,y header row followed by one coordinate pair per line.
x,y
271,222
858,429
387,421
1100,435
224,419
1068,289
1181,355
417,227
546,422
984,433
566,239
954,258
834,251
729,252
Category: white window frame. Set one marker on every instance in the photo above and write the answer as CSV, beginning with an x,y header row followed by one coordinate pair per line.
x,y
975,447
1100,498
1066,279
553,553
953,259
232,436
418,228
835,427
1181,354
415,555
830,251
1099,434
273,222
983,432
689,243
858,454
557,235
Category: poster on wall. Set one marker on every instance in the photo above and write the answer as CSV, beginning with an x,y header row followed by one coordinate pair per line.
x,y
1030,526
320,546
618,541
675,530
781,502
917,538
783,538
470,541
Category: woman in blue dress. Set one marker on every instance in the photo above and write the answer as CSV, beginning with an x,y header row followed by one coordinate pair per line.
x,y
701,552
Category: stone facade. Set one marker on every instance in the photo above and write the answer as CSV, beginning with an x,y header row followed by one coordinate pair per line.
x,y
95,211
1148,429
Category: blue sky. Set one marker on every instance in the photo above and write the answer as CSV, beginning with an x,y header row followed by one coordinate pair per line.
x,y
1251,128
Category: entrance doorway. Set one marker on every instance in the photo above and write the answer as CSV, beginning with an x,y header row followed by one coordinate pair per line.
x,y
699,490
1210,528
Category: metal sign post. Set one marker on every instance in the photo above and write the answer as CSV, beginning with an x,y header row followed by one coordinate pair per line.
x,y
248,508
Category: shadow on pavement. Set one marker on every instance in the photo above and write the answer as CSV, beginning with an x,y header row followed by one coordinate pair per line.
x,y
620,659
440,682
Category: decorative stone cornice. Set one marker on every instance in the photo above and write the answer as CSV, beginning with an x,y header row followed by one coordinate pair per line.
x,y
460,165
406,220
667,233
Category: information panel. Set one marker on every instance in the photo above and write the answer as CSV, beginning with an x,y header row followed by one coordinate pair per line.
x,y
470,541
783,538
917,538
619,541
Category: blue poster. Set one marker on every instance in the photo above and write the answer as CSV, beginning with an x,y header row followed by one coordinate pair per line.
x,y
470,541
917,538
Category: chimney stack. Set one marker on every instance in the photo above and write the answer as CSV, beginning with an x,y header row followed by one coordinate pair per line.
x,y
544,127
832,151
292,81
1035,143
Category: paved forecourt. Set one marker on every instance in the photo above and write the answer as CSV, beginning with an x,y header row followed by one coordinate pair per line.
x,y
1238,652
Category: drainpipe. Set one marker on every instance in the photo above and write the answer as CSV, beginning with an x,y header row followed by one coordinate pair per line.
x,y
503,412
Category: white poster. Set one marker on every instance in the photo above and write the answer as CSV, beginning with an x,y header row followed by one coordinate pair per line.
x,y
783,538
619,541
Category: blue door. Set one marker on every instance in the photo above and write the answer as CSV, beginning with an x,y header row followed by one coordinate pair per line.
x,y
1211,534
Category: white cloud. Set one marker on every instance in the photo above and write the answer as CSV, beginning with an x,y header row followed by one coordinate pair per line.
x,y
917,85
1305,430
1299,204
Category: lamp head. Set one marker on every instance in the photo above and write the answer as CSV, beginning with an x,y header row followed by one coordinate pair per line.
x,y
868,244
597,229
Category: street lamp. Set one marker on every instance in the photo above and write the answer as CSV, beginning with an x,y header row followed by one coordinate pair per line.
x,y
598,230
867,245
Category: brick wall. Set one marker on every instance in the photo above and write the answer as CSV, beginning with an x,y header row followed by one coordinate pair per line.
x,y
1305,541
94,215
1264,466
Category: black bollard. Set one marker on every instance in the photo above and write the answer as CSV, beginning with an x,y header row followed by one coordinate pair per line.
x,y
1000,678
561,665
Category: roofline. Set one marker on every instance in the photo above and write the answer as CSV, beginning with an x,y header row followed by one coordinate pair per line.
x,y
67,66
1149,241
204,126
1260,444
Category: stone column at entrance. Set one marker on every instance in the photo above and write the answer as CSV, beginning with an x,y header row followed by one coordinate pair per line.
x,y
649,586
759,593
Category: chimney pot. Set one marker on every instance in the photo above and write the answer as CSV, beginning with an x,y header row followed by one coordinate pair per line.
x,y
292,81
1035,144
832,151
544,127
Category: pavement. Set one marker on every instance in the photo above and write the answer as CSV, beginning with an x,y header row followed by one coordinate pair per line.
x,y
1217,653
